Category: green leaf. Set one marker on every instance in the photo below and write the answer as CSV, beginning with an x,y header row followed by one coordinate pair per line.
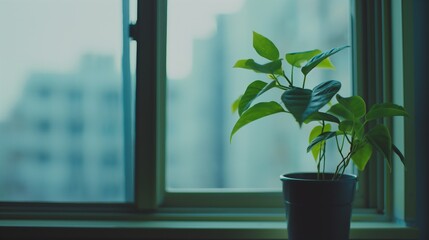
x,y
235,104
321,116
322,137
316,60
352,127
243,63
358,129
258,111
296,101
316,131
304,102
265,47
270,68
326,63
355,104
385,110
341,112
362,155
379,137
296,59
346,126
254,90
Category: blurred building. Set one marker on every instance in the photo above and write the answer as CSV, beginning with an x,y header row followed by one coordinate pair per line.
x,y
64,138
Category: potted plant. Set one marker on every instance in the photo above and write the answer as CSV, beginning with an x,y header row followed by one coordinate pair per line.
x,y
318,205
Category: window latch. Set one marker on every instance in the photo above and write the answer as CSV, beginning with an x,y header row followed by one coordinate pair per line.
x,y
133,31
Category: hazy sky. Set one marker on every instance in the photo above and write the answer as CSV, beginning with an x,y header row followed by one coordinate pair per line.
x,y
189,20
52,35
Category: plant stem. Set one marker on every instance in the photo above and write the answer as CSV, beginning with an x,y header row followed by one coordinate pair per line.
x,y
323,151
340,150
348,140
341,165
291,74
303,82
345,165
318,164
322,158
279,85
282,87
287,79
321,154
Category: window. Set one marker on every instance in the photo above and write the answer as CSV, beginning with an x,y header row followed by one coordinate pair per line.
x,y
373,199
61,81
144,204
201,85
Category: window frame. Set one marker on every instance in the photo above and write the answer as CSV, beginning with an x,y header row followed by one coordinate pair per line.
x,y
153,209
367,198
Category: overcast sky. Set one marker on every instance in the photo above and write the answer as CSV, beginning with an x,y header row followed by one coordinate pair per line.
x,y
52,35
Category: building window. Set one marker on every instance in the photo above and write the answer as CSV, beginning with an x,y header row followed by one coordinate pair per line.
x,y
110,97
43,158
109,159
76,159
75,127
44,92
43,126
75,95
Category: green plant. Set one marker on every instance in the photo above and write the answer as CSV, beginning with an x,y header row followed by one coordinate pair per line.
x,y
345,122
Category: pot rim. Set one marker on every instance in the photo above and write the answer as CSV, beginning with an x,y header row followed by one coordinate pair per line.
x,y
300,176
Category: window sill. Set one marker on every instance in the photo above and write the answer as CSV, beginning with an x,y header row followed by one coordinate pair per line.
x,y
64,229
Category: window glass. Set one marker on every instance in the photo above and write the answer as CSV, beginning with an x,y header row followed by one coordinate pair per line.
x,y
205,39
61,107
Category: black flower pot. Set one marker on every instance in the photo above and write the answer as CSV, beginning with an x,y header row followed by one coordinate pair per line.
x,y
318,209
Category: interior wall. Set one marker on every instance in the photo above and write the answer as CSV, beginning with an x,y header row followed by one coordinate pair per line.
x,y
421,40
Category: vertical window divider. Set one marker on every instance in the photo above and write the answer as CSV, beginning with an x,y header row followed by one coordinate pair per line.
x,y
161,99
372,75
146,113
127,102
149,171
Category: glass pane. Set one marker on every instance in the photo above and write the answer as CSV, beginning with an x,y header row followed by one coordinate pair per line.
x,y
61,110
205,39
